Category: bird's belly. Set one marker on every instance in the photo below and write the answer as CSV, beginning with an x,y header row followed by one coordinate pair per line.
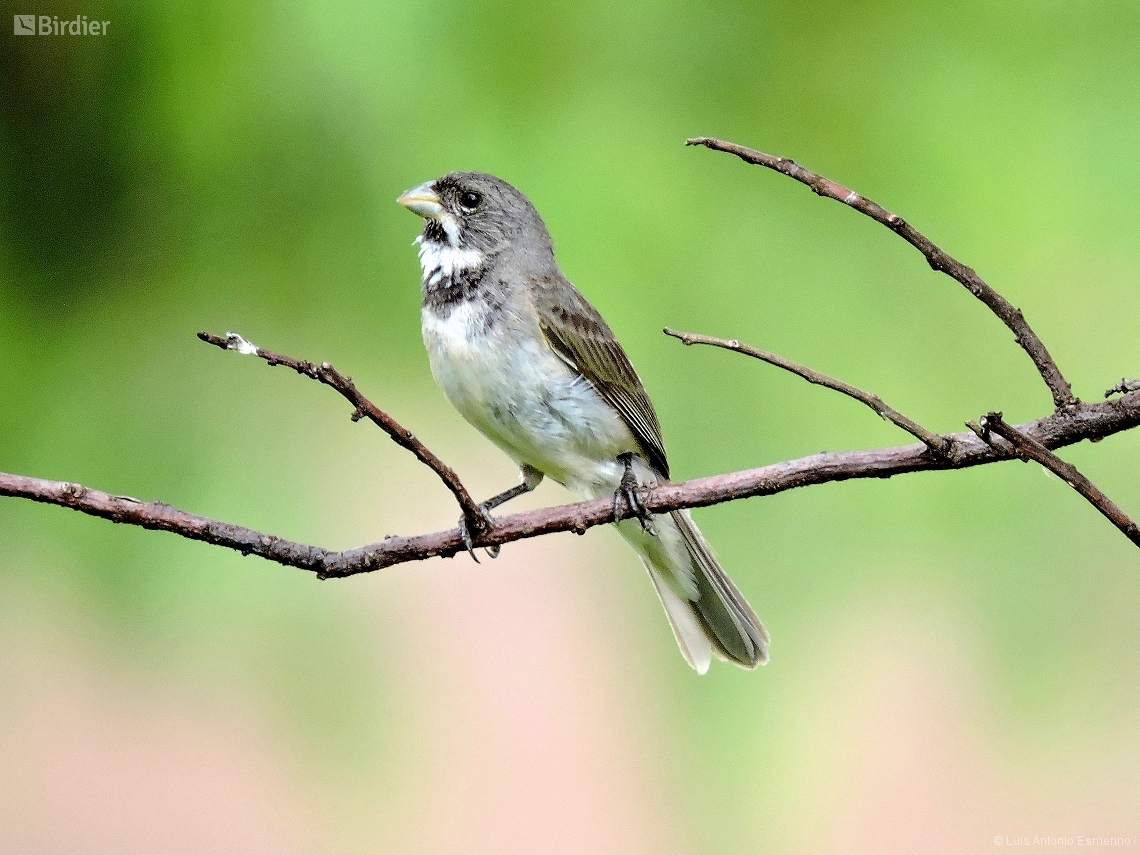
x,y
518,393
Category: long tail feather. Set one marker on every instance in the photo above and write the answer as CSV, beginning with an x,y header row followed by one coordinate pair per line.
x,y
733,628
706,611
687,629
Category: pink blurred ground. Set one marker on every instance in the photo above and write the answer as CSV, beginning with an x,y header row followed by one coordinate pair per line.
x,y
528,722
514,726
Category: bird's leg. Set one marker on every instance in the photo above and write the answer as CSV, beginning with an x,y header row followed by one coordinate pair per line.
x,y
629,490
531,478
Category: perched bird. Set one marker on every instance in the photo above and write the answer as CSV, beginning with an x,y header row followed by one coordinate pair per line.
x,y
529,362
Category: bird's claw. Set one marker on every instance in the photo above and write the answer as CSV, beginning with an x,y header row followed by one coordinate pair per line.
x,y
629,491
469,541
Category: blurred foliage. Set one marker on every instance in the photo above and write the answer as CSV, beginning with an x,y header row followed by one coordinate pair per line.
x,y
233,166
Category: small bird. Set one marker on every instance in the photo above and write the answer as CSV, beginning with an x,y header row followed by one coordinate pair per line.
x,y
529,362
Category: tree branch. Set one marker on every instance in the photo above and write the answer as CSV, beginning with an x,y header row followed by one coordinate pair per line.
x,y
939,445
1062,428
325,373
1028,448
162,517
1071,422
1011,316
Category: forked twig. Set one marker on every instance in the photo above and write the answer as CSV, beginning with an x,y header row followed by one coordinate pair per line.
x,y
1027,448
938,259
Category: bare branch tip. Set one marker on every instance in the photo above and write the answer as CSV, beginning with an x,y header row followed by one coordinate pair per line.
x,y
683,337
215,340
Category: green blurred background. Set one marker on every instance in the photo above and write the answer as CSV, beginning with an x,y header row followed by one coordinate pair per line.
x,y
954,655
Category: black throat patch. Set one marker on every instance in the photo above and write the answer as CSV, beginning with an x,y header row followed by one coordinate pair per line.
x,y
443,292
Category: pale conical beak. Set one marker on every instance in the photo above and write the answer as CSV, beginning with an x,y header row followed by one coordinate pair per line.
x,y
423,200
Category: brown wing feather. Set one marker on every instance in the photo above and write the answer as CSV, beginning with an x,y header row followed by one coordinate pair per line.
x,y
579,336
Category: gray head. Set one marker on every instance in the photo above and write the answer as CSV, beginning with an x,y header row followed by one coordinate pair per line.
x,y
477,212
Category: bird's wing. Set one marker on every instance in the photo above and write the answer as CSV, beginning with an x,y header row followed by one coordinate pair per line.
x,y
582,339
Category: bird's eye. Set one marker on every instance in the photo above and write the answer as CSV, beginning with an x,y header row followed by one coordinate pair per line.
x,y
470,200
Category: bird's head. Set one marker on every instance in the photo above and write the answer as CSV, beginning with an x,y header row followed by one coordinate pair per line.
x,y
476,212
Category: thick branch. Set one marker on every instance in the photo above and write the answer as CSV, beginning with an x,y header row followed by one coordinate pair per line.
x,y
938,259
939,445
1028,448
162,517
1064,427
325,373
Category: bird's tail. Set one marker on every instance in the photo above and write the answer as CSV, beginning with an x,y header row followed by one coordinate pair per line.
x,y
707,612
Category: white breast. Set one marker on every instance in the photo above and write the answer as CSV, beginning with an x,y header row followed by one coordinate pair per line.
x,y
505,380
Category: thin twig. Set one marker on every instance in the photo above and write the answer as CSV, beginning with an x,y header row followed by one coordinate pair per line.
x,y
938,259
1123,387
1002,448
1063,427
325,373
939,445
1027,448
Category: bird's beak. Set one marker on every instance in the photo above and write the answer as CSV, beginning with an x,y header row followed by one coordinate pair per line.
x,y
423,200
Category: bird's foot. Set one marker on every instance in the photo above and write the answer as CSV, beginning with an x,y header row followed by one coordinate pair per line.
x,y
469,541
629,491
